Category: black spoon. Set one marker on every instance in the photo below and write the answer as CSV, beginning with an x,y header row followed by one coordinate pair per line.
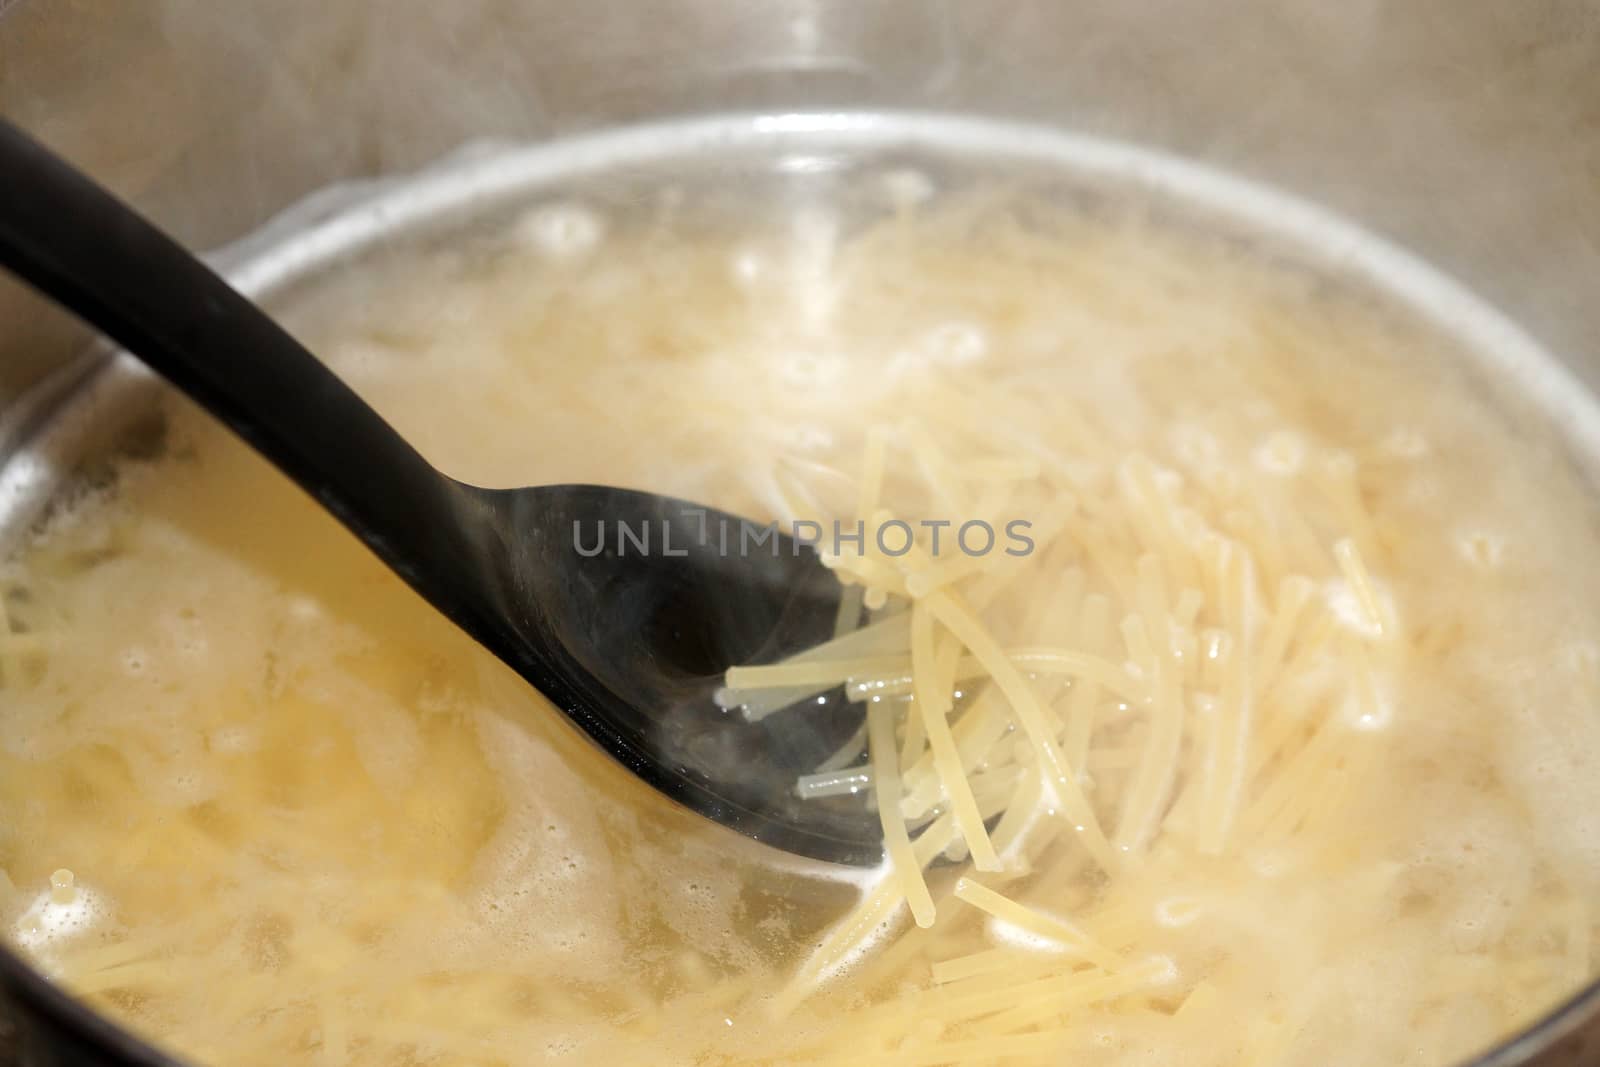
x,y
629,643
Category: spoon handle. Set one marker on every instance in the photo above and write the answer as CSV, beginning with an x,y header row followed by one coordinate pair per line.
x,y
81,246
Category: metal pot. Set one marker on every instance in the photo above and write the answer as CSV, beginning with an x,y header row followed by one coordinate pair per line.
x,y
1468,132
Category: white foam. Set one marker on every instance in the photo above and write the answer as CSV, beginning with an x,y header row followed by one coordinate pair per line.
x,y
49,921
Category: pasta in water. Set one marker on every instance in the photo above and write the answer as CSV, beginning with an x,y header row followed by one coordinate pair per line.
x,y
1279,744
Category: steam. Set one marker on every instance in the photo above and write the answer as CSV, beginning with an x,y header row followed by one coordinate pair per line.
x,y
1467,134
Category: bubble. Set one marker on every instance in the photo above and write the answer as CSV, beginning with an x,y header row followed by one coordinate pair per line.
x,y
814,233
1178,911
1163,970
1191,526
906,187
1349,610
811,370
1281,454
1010,934
59,913
562,230
1370,707
748,266
1484,549
1338,465
950,344
1196,447
1583,659
809,163
1405,443
808,438
1271,863
955,344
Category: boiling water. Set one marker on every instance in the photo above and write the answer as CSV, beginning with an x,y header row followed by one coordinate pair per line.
x,y
265,807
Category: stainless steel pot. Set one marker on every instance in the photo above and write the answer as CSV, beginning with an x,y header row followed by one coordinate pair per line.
x,y
1466,130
